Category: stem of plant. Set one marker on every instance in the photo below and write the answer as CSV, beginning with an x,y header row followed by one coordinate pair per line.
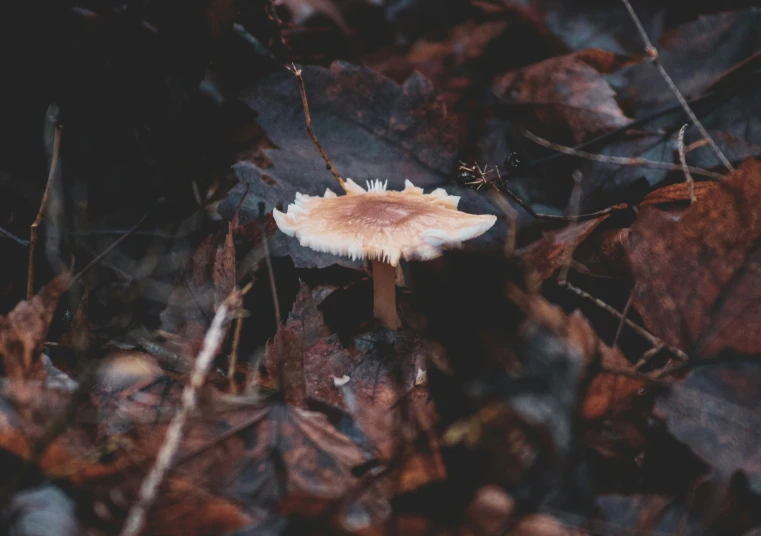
x,y
41,213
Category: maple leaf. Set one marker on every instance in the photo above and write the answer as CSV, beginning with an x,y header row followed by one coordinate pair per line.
x,y
696,277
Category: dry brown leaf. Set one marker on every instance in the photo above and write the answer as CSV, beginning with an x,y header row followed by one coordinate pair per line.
x,y
677,193
382,371
543,257
22,332
698,277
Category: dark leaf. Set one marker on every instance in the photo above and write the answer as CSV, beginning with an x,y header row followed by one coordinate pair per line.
x,y
371,127
697,277
566,96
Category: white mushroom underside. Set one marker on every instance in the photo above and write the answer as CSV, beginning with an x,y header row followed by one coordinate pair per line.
x,y
379,224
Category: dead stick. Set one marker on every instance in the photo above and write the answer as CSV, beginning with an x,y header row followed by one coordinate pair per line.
x,y
328,163
642,332
41,213
8,234
234,355
683,160
622,319
149,488
652,53
619,160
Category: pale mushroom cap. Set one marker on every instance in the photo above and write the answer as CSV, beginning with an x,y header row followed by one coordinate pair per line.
x,y
381,224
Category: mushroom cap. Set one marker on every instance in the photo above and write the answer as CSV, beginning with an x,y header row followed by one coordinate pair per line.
x,y
381,224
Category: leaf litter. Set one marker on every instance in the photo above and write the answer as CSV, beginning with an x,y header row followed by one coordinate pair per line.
x,y
498,407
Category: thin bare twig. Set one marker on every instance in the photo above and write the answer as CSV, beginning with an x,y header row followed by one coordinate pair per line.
x,y
41,213
623,317
642,332
118,241
619,160
683,160
512,222
277,340
149,488
13,237
234,355
328,163
652,53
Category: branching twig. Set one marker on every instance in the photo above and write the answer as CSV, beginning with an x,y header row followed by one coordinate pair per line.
x,y
482,177
149,488
41,213
642,332
652,53
683,160
620,160
328,163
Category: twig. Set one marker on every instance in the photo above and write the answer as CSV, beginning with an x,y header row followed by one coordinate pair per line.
x,y
13,237
652,53
683,160
328,163
619,160
149,488
277,340
118,241
642,332
234,355
481,177
573,209
512,222
41,213
623,317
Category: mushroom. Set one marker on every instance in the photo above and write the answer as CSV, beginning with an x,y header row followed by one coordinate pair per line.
x,y
383,226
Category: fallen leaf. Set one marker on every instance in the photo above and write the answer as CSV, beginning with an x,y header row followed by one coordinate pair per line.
x,y
569,98
695,55
715,411
605,26
543,257
696,277
184,509
380,392
450,63
277,453
608,393
678,194
370,127
23,330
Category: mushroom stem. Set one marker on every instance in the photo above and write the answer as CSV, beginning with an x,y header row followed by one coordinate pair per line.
x,y
384,294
